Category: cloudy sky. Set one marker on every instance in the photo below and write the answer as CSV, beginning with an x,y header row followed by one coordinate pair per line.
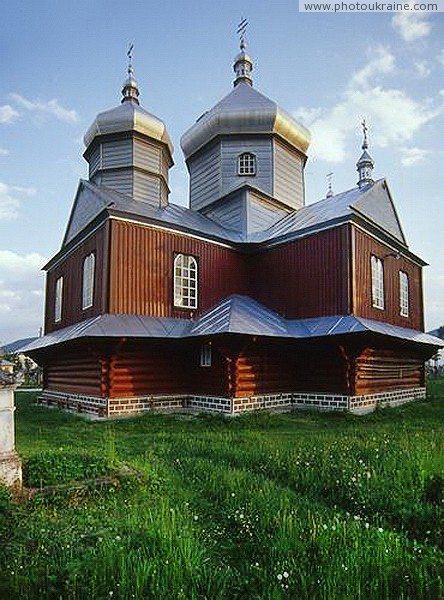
x,y
62,62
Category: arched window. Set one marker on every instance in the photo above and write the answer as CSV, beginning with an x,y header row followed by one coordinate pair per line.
x,y
377,282
185,281
58,300
246,164
88,281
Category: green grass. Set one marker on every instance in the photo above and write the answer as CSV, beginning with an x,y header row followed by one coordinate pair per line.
x,y
263,506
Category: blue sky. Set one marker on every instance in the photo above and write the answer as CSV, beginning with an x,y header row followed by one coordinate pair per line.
x,y
63,62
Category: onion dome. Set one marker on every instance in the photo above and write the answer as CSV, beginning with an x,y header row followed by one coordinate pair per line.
x,y
128,149
129,116
244,111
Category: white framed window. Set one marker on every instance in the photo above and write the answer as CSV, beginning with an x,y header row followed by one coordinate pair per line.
x,y
246,164
377,282
58,300
185,281
403,294
88,281
206,355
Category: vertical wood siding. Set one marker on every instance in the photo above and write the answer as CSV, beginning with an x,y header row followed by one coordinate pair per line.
x,y
288,182
205,177
141,275
71,269
305,278
365,246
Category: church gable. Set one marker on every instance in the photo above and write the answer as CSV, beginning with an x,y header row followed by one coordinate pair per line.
x,y
88,203
377,205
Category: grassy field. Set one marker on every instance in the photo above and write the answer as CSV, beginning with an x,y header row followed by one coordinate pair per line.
x,y
263,506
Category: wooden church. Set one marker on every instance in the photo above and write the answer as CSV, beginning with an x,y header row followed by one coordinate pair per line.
x,y
247,299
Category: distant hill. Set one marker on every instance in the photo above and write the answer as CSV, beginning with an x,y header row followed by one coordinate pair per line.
x,y
14,347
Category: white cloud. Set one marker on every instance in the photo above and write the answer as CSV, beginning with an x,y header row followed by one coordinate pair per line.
x,y
411,25
21,294
10,200
3,151
7,113
423,69
394,117
51,108
381,62
413,156
441,58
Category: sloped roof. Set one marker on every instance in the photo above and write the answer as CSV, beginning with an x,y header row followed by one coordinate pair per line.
x,y
372,203
232,315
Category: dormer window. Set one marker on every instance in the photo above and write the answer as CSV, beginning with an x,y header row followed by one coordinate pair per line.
x,y
246,164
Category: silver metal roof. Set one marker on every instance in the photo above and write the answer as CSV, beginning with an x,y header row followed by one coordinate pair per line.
x,y
128,116
232,315
244,110
372,203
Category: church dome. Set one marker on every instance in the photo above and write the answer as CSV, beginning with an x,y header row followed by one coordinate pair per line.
x,y
245,110
128,116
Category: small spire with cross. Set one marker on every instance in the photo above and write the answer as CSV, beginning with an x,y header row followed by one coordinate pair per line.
x,y
242,27
243,64
130,58
364,131
130,91
330,182
366,163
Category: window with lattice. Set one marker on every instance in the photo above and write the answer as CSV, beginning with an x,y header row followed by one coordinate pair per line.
x,y
185,281
246,164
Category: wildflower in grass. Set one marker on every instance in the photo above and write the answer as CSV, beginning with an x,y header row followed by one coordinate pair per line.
x,y
380,529
285,574
279,577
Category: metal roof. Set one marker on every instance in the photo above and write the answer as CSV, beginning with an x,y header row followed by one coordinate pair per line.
x,y
372,203
233,315
244,110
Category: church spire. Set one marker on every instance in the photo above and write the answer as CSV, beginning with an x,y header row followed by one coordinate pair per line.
x,y
243,65
130,91
365,164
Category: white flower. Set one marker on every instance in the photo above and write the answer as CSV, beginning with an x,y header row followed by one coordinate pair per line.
x,y
279,576
285,574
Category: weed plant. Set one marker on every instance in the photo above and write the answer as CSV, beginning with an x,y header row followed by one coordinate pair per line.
x,y
263,506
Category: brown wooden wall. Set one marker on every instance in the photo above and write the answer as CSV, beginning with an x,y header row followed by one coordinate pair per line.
x,y
352,365
379,370
305,278
75,371
273,367
365,246
144,368
141,277
71,268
